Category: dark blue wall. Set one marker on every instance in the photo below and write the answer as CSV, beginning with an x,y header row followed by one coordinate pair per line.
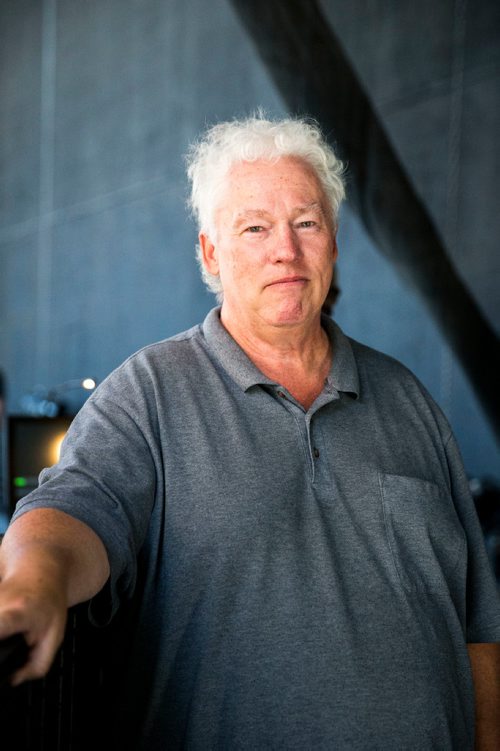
x,y
99,101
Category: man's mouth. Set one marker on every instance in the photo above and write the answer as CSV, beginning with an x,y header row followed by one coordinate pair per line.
x,y
288,280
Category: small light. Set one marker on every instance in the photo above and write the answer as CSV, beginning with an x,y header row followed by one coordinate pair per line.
x,y
20,482
54,448
89,384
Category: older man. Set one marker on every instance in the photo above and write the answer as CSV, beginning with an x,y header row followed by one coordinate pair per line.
x,y
280,512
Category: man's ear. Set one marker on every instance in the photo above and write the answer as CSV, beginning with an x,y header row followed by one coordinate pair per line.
x,y
208,254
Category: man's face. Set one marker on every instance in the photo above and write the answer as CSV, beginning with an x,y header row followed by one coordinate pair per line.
x,y
274,245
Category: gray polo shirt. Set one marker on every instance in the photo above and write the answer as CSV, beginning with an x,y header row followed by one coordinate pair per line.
x,y
292,579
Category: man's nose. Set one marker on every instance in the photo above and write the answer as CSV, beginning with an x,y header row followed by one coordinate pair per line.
x,y
286,246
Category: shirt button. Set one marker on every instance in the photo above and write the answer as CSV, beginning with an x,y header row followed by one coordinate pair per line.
x,y
316,453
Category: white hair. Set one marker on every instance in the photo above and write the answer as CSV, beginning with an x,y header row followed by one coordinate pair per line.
x,y
210,158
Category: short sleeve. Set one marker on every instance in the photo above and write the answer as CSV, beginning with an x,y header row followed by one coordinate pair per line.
x,y
105,478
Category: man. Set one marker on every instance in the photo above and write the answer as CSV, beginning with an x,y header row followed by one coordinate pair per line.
x,y
281,512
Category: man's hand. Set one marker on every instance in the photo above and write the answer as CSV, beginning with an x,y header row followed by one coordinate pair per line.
x,y
49,561
37,610
485,664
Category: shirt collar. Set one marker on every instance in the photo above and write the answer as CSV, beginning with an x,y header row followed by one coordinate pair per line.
x,y
343,374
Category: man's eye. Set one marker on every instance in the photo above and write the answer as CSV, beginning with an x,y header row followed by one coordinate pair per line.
x,y
254,228
307,223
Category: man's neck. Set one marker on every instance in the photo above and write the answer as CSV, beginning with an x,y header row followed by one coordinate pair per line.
x,y
297,357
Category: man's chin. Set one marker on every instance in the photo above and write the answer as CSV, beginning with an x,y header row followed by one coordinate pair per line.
x,y
289,315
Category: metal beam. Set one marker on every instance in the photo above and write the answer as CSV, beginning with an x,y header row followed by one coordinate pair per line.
x,y
310,70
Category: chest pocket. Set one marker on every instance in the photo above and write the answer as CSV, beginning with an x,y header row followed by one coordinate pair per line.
x,y
425,536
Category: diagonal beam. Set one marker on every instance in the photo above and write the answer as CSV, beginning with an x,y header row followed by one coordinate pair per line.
x,y
314,77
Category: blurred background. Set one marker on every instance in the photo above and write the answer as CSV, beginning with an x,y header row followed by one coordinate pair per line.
x,y
99,101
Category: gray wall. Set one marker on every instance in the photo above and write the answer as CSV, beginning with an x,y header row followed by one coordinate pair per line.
x,y
99,101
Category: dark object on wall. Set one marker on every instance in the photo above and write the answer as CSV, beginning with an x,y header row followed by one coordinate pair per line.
x,y
33,443
313,75
486,494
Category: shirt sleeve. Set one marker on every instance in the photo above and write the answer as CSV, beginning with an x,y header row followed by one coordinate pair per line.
x,y
106,478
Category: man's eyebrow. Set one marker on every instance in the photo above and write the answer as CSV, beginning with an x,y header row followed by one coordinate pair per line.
x,y
249,213
313,206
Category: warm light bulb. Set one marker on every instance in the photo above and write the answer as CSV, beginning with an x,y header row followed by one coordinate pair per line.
x,y
55,448
89,384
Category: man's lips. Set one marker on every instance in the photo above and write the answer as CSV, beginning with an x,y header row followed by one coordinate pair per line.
x,y
287,280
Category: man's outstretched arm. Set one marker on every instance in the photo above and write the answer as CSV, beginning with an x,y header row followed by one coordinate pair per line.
x,y
49,561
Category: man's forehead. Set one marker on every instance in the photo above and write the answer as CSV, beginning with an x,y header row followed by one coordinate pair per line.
x,y
262,187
